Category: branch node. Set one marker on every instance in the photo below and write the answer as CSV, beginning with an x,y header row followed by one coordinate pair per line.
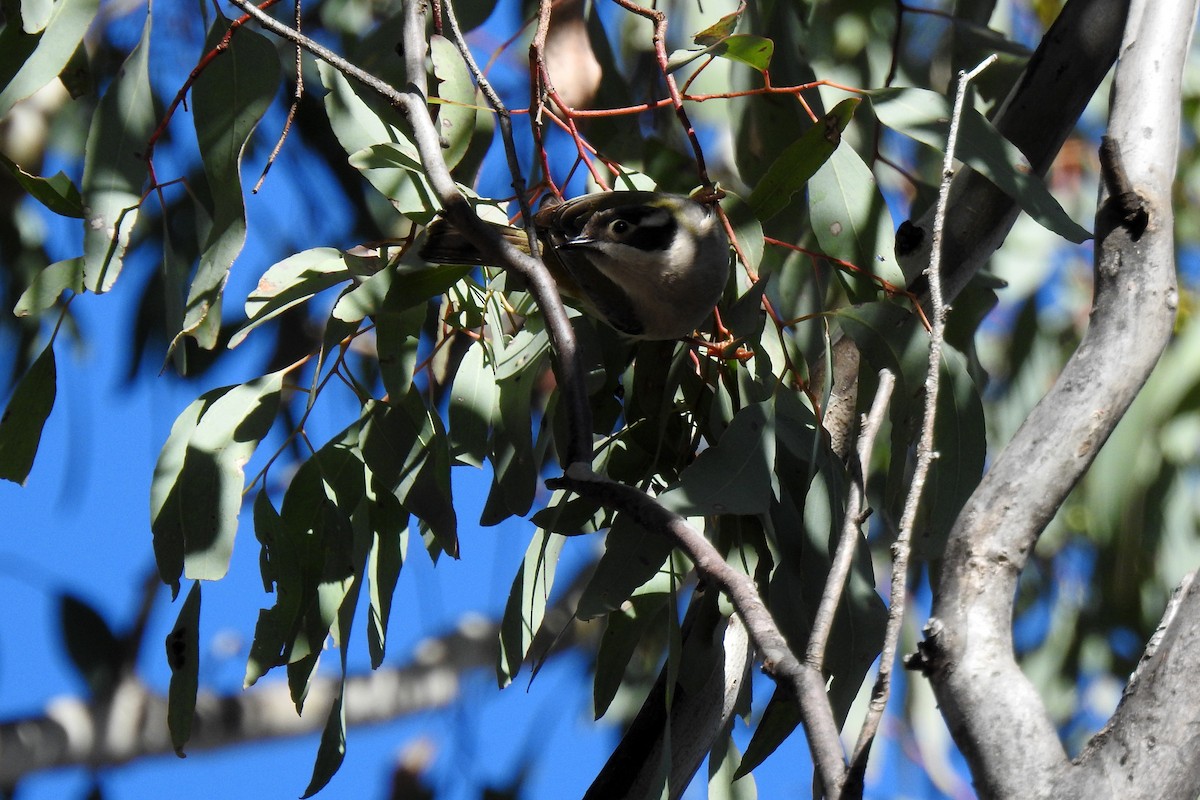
x,y
1124,202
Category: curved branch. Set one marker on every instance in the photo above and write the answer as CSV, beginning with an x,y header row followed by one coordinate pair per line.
x,y
993,711
805,682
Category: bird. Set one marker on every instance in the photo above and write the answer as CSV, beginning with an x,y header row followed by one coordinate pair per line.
x,y
649,264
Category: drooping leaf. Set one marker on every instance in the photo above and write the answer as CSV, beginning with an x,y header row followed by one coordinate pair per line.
x,y
405,447
390,524
736,475
632,556
56,193
25,417
35,51
850,218
623,630
526,606
514,477
398,323
93,648
924,115
332,750
228,99
197,489
114,171
473,399
797,164
183,656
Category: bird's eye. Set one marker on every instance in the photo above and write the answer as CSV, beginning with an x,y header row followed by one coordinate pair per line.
x,y
619,227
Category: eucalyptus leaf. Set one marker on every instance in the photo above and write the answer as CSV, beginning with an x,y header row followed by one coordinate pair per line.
x,y
183,657
229,98
924,115
196,493
114,171
850,218
25,417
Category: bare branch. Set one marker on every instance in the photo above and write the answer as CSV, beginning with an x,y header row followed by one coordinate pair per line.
x,y
843,556
992,709
805,682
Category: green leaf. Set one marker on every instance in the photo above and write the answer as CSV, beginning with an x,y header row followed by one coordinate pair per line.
x,y
293,281
398,324
754,51
228,100
527,600
455,119
778,720
34,53
632,557
114,170
310,557
25,417
394,169
473,399
383,568
850,218
622,632
49,284
57,193
735,476
924,115
183,656
332,750
797,164
197,489
405,447
93,648
514,477
720,30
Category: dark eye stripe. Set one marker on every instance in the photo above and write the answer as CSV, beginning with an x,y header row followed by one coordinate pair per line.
x,y
652,228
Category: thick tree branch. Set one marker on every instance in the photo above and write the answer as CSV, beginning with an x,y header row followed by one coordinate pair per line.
x,y
992,709
133,725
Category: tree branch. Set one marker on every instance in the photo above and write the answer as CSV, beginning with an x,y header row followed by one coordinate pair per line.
x,y
806,683
992,709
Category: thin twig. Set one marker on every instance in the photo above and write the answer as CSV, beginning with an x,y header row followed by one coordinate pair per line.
x,y
503,117
925,452
297,96
457,210
659,19
843,556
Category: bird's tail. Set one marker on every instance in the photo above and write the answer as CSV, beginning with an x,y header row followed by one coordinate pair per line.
x,y
445,245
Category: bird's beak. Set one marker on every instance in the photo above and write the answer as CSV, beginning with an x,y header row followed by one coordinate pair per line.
x,y
578,241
